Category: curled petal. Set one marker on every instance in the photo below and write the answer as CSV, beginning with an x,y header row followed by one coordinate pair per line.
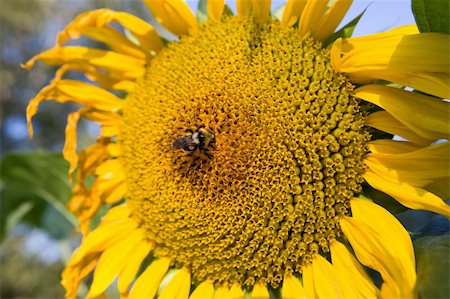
x,y
381,243
409,196
383,121
426,116
430,164
419,61
147,36
175,15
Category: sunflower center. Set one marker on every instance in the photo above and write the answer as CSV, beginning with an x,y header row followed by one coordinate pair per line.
x,y
285,158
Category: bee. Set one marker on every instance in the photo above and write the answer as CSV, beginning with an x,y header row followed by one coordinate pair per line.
x,y
200,139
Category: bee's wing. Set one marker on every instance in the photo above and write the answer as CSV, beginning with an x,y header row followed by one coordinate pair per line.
x,y
185,143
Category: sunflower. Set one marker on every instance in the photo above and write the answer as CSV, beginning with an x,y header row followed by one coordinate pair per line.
x,y
237,160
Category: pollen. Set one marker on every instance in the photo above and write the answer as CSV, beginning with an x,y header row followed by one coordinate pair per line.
x,y
289,142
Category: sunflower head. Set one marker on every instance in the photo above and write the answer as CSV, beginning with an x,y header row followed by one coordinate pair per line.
x,y
289,142
235,161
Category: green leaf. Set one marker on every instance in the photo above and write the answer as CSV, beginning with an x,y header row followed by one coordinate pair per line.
x,y
55,223
345,31
34,187
15,216
432,258
431,15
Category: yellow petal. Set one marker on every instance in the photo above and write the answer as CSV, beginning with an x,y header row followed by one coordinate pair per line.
x,y
311,15
407,195
308,281
391,146
381,243
87,95
204,291
114,150
221,292
387,226
178,287
89,158
148,282
70,143
112,261
243,8
347,267
74,273
110,181
105,80
92,156
383,121
331,19
109,168
84,203
76,91
215,9
85,258
398,49
144,32
335,54
371,39
69,151
419,61
111,122
261,10
292,12
115,40
366,40
292,288
236,292
327,283
115,63
130,270
103,237
175,15
260,292
427,116
117,213
430,164
402,30
110,190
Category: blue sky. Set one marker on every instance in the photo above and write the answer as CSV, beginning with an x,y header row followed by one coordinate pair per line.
x,y
380,15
